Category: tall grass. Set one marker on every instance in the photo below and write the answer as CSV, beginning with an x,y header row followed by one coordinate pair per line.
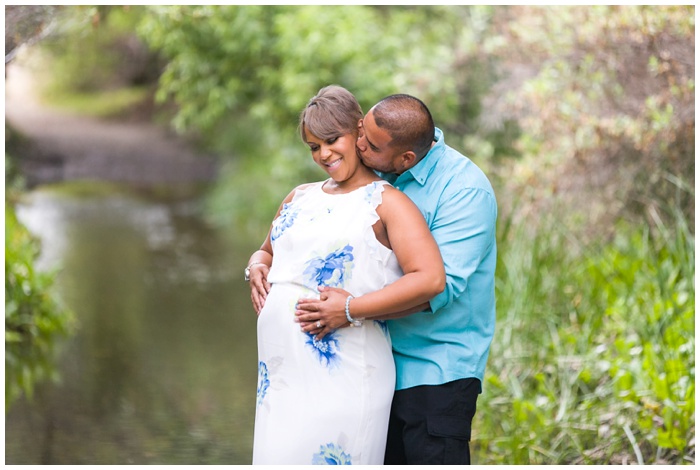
x,y
594,356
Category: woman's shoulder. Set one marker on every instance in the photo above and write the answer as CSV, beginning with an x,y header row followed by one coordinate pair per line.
x,y
391,195
393,201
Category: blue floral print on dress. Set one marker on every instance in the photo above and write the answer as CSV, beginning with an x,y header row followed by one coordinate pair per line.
x,y
263,381
331,454
329,271
369,190
286,219
326,349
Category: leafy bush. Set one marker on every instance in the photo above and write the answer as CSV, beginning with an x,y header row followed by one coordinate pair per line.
x,y
33,317
93,48
605,99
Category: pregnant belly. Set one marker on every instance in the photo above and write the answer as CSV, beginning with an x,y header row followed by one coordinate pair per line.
x,y
277,315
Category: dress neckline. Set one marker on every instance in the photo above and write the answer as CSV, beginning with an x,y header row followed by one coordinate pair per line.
x,y
322,183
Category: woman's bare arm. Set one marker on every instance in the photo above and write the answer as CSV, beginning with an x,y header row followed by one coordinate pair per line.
x,y
419,258
261,261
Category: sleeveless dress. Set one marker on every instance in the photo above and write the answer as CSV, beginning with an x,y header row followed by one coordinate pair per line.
x,y
324,402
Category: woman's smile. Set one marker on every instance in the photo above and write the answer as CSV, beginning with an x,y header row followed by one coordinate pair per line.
x,y
333,165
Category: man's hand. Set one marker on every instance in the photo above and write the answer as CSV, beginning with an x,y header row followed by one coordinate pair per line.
x,y
321,316
259,287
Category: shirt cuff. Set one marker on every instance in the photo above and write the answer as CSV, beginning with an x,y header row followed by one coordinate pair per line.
x,y
439,301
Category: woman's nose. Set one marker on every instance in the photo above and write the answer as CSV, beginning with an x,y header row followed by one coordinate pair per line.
x,y
325,151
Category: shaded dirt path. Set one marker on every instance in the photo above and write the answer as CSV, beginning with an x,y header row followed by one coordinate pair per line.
x,y
70,147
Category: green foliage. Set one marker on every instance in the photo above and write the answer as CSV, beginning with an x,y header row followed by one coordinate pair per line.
x,y
33,318
595,362
93,48
650,310
268,61
240,75
596,103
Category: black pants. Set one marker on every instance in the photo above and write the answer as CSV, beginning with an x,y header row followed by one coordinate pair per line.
x,y
431,424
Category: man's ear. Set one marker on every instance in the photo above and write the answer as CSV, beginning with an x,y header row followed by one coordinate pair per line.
x,y
408,160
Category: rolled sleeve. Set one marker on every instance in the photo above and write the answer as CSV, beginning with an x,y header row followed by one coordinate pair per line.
x,y
464,231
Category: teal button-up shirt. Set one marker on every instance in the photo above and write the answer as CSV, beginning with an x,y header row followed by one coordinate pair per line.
x,y
452,340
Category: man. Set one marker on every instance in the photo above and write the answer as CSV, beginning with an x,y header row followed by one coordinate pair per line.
x,y
441,351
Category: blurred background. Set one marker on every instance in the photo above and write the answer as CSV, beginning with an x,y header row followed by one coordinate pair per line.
x,y
147,149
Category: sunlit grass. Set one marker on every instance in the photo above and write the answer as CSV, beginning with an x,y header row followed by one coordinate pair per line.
x,y
102,104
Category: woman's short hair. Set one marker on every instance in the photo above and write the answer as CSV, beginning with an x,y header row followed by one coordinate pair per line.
x,y
408,122
332,112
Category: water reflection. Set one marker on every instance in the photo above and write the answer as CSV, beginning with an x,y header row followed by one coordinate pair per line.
x,y
163,367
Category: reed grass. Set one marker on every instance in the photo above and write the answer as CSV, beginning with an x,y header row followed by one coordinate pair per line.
x,y
593,361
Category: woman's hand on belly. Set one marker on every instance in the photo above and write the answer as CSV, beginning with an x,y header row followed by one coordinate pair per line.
x,y
259,287
324,315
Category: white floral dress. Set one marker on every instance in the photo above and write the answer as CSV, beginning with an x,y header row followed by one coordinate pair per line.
x,y
328,401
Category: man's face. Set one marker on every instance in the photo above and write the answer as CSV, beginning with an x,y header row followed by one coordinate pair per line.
x,y
374,149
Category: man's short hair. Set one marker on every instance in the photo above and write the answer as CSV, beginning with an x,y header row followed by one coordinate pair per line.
x,y
408,122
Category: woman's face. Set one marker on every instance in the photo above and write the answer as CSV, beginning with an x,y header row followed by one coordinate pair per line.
x,y
336,156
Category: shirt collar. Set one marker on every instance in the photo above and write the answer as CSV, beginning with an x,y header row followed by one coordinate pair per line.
x,y
421,170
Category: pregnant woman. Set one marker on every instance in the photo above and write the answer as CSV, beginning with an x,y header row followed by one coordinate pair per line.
x,y
324,395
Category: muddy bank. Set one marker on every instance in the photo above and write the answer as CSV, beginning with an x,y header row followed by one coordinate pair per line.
x,y
59,146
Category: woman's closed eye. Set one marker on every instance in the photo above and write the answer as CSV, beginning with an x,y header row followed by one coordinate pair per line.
x,y
330,141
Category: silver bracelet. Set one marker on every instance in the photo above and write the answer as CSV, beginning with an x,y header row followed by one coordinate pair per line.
x,y
247,269
352,321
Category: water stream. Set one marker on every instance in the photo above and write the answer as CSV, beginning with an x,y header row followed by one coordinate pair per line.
x,y
161,368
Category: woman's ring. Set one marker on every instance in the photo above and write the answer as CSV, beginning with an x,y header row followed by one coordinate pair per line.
x,y
318,324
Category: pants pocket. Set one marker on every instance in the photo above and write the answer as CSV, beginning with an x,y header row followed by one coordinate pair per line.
x,y
449,426
450,435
